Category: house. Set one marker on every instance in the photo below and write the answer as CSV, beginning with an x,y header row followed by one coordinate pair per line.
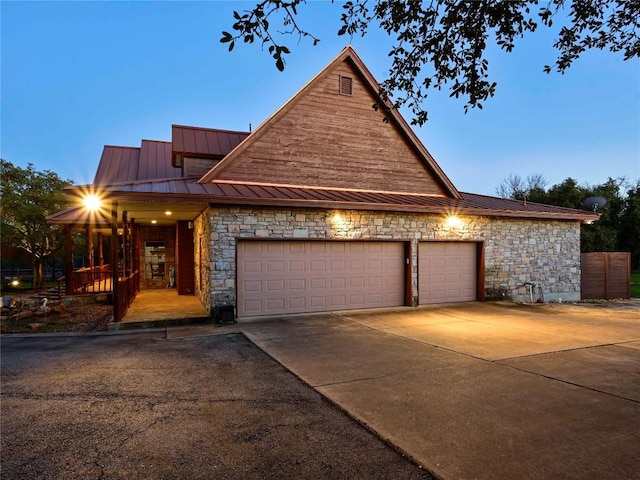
x,y
332,203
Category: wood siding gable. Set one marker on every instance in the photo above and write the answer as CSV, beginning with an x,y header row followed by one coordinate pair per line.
x,y
329,135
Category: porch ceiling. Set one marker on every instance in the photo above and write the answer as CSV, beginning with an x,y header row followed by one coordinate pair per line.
x,y
145,213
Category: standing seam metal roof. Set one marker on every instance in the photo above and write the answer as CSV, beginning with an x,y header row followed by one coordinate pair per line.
x,y
209,142
152,160
262,194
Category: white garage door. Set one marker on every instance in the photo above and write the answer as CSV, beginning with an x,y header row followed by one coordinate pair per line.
x,y
281,277
447,272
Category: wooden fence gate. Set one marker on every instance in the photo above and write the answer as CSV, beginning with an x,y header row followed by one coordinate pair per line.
x,y
605,275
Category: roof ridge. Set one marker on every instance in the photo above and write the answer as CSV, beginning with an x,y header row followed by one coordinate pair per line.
x,y
211,129
121,146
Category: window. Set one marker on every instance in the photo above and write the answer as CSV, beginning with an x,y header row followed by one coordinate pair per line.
x,y
154,261
346,85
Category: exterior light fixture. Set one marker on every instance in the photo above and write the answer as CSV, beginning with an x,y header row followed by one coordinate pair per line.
x,y
338,222
453,222
92,202
15,283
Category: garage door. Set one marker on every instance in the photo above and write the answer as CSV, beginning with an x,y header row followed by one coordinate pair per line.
x,y
447,272
281,277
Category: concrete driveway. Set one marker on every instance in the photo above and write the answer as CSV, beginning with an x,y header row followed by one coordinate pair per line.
x,y
480,390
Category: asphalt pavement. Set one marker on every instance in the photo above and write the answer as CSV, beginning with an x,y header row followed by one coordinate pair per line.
x,y
140,406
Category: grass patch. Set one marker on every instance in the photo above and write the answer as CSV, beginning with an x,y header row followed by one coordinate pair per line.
x,y
635,284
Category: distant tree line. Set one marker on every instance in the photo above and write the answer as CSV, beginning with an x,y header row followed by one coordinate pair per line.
x,y
619,226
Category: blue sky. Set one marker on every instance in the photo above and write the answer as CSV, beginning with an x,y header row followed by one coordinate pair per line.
x,y
79,75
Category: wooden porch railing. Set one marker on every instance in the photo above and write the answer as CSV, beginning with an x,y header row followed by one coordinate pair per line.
x,y
87,280
98,280
128,287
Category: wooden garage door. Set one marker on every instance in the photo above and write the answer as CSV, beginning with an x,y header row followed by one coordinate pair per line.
x,y
280,277
447,272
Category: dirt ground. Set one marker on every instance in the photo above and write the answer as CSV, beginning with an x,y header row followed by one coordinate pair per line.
x,y
27,316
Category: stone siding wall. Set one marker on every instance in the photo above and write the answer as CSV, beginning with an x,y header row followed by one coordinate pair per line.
x,y
516,252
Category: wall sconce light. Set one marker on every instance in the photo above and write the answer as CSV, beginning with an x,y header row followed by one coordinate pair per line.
x,y
453,222
168,212
337,221
154,222
190,225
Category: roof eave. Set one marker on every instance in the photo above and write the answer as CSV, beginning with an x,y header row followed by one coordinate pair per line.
x,y
346,205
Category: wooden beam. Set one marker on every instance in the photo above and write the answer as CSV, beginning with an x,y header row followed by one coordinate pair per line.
x,y
115,248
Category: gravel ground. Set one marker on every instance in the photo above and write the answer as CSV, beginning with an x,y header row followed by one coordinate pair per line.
x,y
144,407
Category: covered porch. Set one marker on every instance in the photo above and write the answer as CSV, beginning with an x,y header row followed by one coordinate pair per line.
x,y
162,307
141,248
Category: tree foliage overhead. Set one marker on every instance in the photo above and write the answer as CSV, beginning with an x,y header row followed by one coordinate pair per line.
x,y
28,196
441,44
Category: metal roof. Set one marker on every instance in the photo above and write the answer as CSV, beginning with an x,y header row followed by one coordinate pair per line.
x,y
152,160
117,164
79,215
204,142
155,161
313,197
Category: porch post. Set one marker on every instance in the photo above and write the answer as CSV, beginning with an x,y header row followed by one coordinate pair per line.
x,y
100,251
89,234
126,265
135,256
115,247
68,260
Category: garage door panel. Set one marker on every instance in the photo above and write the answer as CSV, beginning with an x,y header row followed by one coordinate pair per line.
x,y
304,276
277,266
338,264
338,301
318,302
356,264
296,249
252,266
318,283
296,266
275,285
253,286
296,302
447,272
318,265
318,248
274,249
297,284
